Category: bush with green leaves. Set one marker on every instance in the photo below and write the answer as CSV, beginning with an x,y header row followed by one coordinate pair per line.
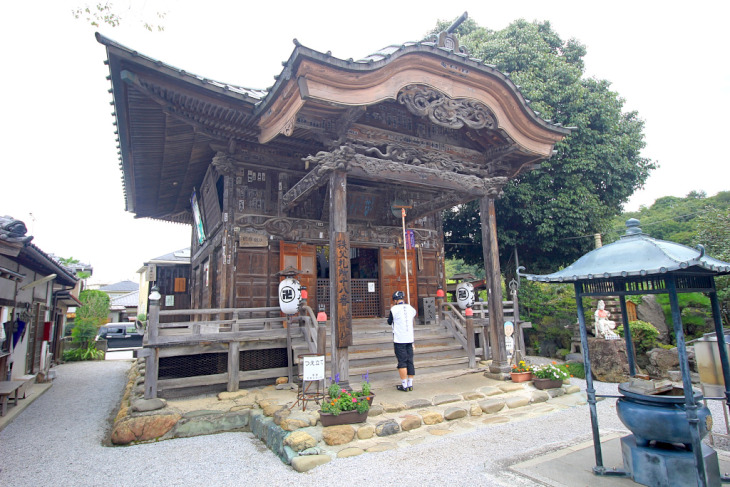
x,y
695,311
643,335
89,352
576,370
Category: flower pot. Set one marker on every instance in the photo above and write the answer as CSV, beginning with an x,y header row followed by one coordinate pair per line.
x,y
521,376
370,398
543,384
345,417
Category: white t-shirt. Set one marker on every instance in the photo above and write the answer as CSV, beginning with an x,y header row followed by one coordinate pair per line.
x,y
401,319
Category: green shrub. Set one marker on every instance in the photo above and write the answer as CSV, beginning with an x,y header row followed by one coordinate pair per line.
x,y
86,353
643,335
562,353
576,370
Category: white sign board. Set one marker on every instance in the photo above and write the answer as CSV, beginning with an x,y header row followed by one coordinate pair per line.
x,y
313,367
371,287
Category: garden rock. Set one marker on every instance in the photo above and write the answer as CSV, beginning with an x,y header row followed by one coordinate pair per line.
x,y
366,432
490,391
491,406
207,425
511,387
382,447
308,462
609,362
232,396
557,392
475,410
418,403
651,312
453,413
296,421
144,405
410,422
271,409
472,396
431,417
299,441
393,407
661,361
571,389
338,435
446,398
375,410
517,402
143,428
280,415
540,396
387,428
350,452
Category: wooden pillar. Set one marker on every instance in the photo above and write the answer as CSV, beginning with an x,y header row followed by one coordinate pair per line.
x,y
152,360
234,355
340,295
500,367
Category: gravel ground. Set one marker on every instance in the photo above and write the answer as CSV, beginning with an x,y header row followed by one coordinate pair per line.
x,y
57,440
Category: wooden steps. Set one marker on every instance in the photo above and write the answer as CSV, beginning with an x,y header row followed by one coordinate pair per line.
x,y
436,350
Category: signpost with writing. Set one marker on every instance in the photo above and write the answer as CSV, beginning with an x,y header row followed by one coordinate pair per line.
x,y
311,373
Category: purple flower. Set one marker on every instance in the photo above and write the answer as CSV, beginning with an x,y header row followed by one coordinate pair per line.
x,y
337,378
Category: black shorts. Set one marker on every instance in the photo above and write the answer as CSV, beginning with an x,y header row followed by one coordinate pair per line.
x,y
404,354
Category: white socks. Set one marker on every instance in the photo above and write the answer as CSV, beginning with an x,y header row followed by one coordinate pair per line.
x,y
404,383
409,382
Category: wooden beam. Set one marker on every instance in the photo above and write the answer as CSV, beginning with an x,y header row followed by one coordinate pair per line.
x,y
305,186
233,366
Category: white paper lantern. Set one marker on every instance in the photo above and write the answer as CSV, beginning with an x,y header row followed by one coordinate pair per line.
x,y
465,295
290,294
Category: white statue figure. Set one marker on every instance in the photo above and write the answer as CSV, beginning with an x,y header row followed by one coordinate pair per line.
x,y
604,326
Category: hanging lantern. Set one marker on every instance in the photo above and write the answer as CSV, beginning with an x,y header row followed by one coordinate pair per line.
x,y
440,293
465,294
290,293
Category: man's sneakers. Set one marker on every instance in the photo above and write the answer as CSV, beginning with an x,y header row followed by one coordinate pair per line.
x,y
404,389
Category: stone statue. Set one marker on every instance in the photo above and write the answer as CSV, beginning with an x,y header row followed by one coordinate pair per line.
x,y
604,326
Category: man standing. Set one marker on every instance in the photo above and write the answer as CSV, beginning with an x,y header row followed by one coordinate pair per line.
x,y
401,319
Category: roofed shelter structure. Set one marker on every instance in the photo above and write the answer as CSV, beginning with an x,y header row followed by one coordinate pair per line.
x,y
635,265
314,172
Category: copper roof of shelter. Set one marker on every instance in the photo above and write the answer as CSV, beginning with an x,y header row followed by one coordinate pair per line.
x,y
636,254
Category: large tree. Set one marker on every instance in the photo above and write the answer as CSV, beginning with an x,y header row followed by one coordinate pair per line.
x,y
547,213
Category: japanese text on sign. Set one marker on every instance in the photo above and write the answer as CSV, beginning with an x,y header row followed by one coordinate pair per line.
x,y
313,367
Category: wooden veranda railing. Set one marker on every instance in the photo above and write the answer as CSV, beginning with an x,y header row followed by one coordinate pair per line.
x,y
224,330
471,334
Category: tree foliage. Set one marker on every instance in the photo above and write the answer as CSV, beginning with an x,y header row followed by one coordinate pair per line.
x,y
694,219
95,307
112,14
595,170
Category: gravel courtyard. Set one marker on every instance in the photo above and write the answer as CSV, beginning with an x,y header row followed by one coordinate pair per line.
x,y
58,440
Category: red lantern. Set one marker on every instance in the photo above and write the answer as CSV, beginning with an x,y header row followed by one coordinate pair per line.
x,y
321,317
439,293
469,312
305,294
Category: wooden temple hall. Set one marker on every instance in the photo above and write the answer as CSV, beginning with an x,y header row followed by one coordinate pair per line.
x,y
312,174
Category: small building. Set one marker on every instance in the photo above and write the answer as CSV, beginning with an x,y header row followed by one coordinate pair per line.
x,y
35,293
123,308
171,274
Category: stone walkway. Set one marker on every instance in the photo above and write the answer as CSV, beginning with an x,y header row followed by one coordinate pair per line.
x,y
444,404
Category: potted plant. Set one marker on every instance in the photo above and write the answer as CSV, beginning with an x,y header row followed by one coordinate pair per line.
x,y
345,407
521,372
549,376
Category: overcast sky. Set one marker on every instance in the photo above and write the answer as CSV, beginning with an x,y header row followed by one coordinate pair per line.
x,y
59,167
